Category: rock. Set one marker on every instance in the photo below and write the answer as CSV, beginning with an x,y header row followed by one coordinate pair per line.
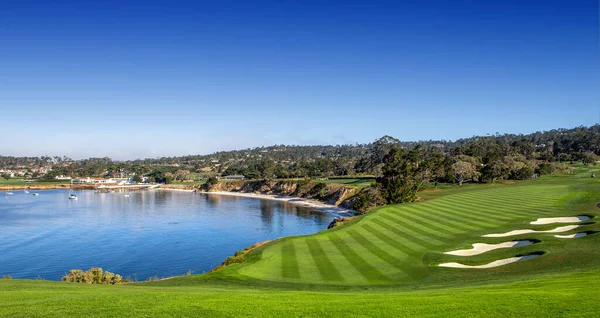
x,y
338,222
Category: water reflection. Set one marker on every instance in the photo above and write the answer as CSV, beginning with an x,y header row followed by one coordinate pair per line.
x,y
146,233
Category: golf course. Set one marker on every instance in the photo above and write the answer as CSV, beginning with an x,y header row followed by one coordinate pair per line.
x,y
385,263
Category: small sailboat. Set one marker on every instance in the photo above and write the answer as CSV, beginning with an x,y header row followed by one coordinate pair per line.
x,y
9,193
26,192
35,193
72,195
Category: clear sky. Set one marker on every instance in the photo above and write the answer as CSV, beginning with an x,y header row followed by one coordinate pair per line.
x,y
129,79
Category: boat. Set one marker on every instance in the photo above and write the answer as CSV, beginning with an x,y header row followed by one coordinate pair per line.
x,y
9,193
35,193
72,195
26,192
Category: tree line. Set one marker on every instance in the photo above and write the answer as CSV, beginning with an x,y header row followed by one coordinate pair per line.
x,y
476,159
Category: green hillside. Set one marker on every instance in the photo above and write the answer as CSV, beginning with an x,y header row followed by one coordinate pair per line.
x,y
381,264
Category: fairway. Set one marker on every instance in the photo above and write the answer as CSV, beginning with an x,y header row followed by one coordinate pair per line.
x,y
402,243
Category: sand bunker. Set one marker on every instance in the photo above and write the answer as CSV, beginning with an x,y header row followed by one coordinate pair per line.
x,y
576,235
480,248
570,219
497,263
518,232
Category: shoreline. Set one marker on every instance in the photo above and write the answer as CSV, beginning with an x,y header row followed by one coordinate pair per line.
x,y
329,208
176,190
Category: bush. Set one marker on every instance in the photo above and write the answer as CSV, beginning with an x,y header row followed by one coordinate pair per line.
x,y
544,168
212,181
7,276
361,202
233,259
319,190
524,173
94,275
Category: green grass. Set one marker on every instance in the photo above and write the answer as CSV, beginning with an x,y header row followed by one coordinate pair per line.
x,y
380,264
21,182
356,182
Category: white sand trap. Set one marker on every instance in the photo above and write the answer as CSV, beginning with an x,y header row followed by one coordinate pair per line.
x,y
517,232
570,219
480,248
497,263
576,235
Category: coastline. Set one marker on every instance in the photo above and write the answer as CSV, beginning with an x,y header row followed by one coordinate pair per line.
x,y
171,189
329,208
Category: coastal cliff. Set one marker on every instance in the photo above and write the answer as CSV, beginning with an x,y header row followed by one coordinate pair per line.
x,y
332,194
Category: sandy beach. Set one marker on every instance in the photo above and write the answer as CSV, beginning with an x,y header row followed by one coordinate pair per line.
x,y
330,208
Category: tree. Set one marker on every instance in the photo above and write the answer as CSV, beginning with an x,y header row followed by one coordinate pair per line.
x,y
212,181
137,178
524,173
465,171
379,149
494,170
168,178
397,181
589,159
6,176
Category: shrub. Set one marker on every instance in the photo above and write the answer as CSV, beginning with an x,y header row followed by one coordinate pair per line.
x,y
319,190
94,275
544,168
524,173
233,259
212,181
361,202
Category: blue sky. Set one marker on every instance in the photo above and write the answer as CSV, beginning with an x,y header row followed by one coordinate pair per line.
x,y
130,79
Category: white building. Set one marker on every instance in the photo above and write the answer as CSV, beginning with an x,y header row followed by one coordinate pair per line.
x,y
89,180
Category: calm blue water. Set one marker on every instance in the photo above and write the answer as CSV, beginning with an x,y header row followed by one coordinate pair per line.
x,y
150,233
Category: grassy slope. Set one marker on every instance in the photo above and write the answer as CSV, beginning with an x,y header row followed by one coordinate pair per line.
x,y
357,182
382,264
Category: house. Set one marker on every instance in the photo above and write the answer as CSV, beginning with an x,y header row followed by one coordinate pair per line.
x,y
235,177
61,177
122,180
94,180
7,172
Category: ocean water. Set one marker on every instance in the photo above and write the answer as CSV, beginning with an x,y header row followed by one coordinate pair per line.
x,y
148,234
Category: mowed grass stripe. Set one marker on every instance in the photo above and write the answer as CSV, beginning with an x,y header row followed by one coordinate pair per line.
x,y
308,268
530,197
501,205
507,198
411,214
438,238
404,234
467,217
460,214
424,213
383,255
481,208
369,272
474,214
499,212
459,217
326,269
289,265
398,245
426,227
